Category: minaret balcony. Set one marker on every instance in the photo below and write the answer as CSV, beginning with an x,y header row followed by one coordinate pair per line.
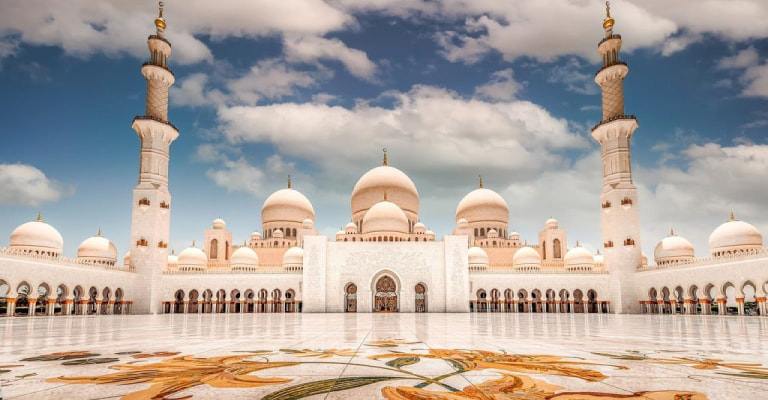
x,y
604,67
159,66
155,37
628,117
607,38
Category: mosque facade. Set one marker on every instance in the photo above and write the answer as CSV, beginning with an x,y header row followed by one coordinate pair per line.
x,y
385,259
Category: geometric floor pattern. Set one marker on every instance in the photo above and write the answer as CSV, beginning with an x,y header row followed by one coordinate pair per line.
x,y
385,356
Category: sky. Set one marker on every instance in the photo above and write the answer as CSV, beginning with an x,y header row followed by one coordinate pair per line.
x,y
316,88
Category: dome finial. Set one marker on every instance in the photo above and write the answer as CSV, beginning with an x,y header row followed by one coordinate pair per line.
x,y
385,155
732,218
98,233
481,181
608,21
173,252
671,232
39,217
577,244
289,181
160,21
385,193
193,244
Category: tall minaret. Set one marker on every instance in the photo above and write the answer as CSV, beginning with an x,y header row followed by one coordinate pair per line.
x,y
150,220
620,219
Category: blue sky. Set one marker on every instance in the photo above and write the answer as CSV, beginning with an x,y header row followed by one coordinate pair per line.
x,y
453,88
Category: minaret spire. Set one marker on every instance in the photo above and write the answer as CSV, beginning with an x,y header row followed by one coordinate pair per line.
x,y
289,181
608,21
385,156
160,21
481,181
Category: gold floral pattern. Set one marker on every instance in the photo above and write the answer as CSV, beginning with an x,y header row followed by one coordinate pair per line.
x,y
326,353
390,343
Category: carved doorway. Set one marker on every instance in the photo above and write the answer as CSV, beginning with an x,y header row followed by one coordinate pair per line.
x,y
351,298
421,298
386,295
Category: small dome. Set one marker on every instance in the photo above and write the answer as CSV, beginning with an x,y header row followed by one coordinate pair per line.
x,y
493,234
419,228
477,257
192,257
308,223
97,249
734,236
462,223
483,205
600,259
339,234
256,236
514,236
526,257
643,259
37,237
578,257
552,223
350,228
278,234
173,259
384,179
219,223
244,256
293,257
127,259
673,248
385,216
429,233
286,205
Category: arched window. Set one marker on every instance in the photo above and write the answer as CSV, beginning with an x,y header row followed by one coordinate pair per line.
x,y
482,231
421,298
557,249
214,249
544,249
226,250
351,298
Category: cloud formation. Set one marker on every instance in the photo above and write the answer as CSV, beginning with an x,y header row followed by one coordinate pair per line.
x,y
22,184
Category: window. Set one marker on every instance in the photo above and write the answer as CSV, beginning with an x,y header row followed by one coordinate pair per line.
x,y
214,249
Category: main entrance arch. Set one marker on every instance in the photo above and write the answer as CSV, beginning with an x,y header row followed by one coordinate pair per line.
x,y
385,296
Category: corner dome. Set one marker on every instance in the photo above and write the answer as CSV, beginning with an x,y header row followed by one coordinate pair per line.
x,y
97,249
514,236
643,259
483,205
552,224
384,179
37,237
350,228
385,216
193,258
734,236
244,256
219,223
673,248
293,257
127,259
419,228
308,223
579,257
173,259
287,205
493,234
477,258
526,257
256,235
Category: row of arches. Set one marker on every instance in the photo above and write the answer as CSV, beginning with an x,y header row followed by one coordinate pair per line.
x,y
385,296
535,301
214,250
25,299
745,298
221,302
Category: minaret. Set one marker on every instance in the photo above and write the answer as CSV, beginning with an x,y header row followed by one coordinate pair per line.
x,y
620,219
150,220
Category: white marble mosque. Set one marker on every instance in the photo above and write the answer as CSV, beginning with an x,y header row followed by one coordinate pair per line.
x,y
385,259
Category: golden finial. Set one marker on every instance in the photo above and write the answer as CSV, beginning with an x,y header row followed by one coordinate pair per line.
x,y
39,217
608,22
577,244
385,194
385,156
98,233
193,244
671,232
598,252
160,21
173,252
289,181
732,218
481,181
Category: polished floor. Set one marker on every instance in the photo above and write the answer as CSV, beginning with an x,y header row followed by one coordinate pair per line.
x,y
388,356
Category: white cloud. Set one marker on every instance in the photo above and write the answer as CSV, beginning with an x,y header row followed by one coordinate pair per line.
x,y
22,184
754,78
502,86
239,176
570,74
743,59
312,48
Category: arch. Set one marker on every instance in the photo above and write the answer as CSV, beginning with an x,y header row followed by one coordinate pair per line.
x,y
221,301
192,306
543,249
495,296
119,298
550,301
5,289
578,301
178,301
277,298
350,298
420,297
680,299
214,249
22,298
592,306
666,305
729,292
693,293
508,298
62,292
557,249
263,299
522,301
235,299
749,296
290,301
226,250
250,298
385,294
653,306
536,301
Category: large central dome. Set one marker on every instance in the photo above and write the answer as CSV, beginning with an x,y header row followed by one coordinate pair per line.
x,y
399,188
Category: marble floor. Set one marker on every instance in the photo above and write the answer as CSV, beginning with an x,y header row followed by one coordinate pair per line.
x,y
386,356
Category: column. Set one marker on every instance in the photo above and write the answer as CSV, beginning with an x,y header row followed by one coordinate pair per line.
x,y
269,305
214,307
557,306
186,304
111,307
706,306
721,302
32,303
740,305
570,304
761,305
11,302
99,301
50,306
66,306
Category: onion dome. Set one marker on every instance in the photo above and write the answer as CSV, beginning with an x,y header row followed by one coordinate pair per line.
x,y
526,258
430,235
419,228
552,224
294,257
287,205
340,235
734,236
478,258
493,234
278,234
350,228
673,248
173,259
255,235
308,223
643,259
97,249
398,186
244,257
219,223
579,258
37,237
385,216
127,259
193,259
514,236
462,223
483,205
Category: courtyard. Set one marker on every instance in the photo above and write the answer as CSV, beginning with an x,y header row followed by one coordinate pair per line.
x,y
389,356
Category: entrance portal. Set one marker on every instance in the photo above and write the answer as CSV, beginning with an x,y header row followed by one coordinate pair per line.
x,y
386,295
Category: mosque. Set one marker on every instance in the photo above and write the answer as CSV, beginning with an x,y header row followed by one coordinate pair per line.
x,y
385,259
